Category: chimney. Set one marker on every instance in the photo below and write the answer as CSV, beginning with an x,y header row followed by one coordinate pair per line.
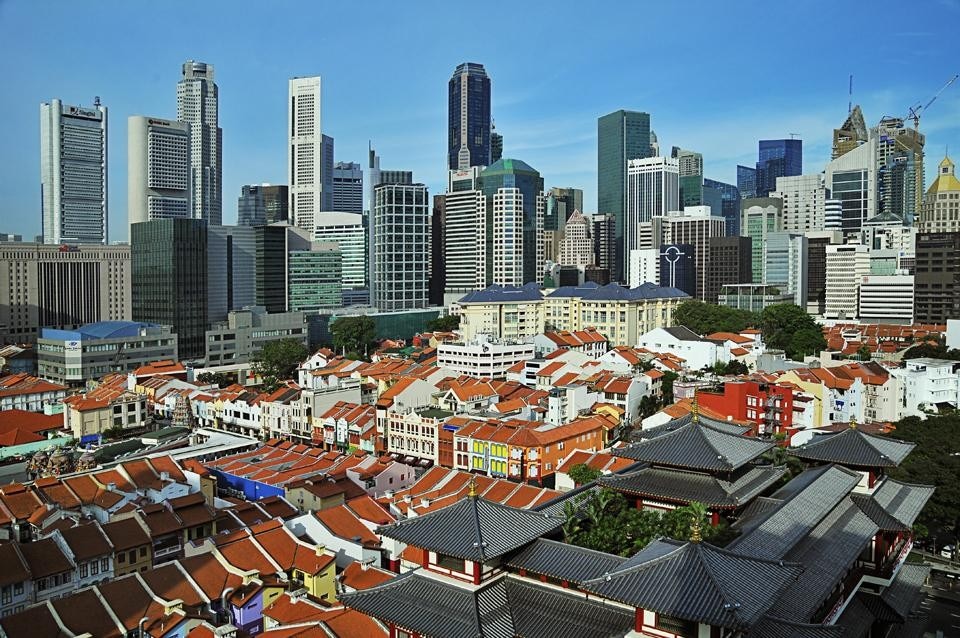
x,y
164,476
111,487
321,550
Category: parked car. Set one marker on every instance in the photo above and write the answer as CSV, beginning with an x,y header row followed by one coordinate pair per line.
x,y
947,551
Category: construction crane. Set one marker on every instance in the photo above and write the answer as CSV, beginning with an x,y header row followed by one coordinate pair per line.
x,y
917,109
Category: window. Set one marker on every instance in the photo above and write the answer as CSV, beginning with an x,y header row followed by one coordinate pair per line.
x,y
6,595
143,552
83,570
451,562
42,584
104,564
18,589
94,568
133,556
121,557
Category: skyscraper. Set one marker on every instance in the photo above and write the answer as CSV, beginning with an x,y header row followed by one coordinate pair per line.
x,y
851,134
262,204
746,181
899,157
198,106
347,187
653,190
604,241
496,146
401,240
576,247
561,202
621,136
169,273
347,231
694,226
941,204
777,158
760,216
803,198
730,261
73,172
515,204
465,231
690,164
937,279
158,169
310,156
231,270
468,117
729,204
677,267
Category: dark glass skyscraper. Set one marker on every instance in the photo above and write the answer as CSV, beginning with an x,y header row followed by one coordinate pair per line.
x,y
678,268
169,279
468,130
746,181
730,204
621,136
777,158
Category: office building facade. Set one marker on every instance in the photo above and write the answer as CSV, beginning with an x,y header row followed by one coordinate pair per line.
x,y
653,190
803,200
198,102
561,202
886,299
401,240
846,266
346,230
347,187
73,173
158,169
314,278
244,333
940,212
260,204
61,286
515,207
310,154
759,216
730,261
817,268
576,247
678,268
604,241
169,275
621,136
468,117
937,279
899,162
729,203
747,181
464,234
777,158
694,226
231,270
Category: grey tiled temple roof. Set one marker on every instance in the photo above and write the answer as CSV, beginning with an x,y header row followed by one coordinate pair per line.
x,y
504,608
698,582
472,528
680,421
902,501
687,487
697,446
777,628
854,447
563,561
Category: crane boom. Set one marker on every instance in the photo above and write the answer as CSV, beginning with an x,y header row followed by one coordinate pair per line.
x,y
915,111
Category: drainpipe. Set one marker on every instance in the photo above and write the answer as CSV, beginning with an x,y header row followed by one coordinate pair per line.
x,y
223,601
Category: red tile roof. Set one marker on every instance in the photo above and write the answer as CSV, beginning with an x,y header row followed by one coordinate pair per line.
x,y
359,577
343,523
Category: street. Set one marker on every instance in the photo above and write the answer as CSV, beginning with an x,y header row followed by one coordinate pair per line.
x,y
939,610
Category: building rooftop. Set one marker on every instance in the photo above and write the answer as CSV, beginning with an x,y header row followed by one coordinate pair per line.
x,y
98,330
855,448
697,446
615,292
504,294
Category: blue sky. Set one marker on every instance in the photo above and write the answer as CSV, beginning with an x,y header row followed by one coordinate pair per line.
x,y
715,76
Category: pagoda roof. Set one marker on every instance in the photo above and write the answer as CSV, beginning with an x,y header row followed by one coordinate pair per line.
x,y
793,512
563,561
684,419
503,608
771,627
698,446
473,528
854,447
697,582
687,487
894,506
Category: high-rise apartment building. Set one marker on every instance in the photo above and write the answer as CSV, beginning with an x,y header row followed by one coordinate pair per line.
x,y
729,204
937,279
940,212
73,172
468,117
515,207
653,190
198,106
846,266
262,204
759,216
61,286
803,198
346,230
158,169
310,155
401,240
777,158
730,261
169,274
621,136
347,187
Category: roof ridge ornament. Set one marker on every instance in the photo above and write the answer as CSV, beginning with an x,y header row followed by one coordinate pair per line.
x,y
853,422
695,535
472,493
695,408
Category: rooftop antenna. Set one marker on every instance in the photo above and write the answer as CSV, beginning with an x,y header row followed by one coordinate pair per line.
x,y
794,136
96,100
850,96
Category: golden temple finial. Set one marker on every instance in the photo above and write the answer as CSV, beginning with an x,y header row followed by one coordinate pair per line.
x,y
695,536
473,488
695,408
853,423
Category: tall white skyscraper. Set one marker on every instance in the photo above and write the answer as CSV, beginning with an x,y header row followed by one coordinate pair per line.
x,y
653,190
158,169
803,198
198,106
73,172
310,158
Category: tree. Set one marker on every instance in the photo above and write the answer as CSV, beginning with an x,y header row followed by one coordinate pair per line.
x,y
789,328
666,386
581,474
446,323
863,353
219,379
929,350
354,334
737,367
706,318
277,360
806,342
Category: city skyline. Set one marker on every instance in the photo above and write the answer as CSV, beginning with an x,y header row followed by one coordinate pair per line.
x,y
409,127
